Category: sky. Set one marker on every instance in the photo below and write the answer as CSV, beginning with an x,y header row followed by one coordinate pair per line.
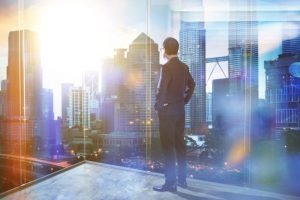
x,y
77,35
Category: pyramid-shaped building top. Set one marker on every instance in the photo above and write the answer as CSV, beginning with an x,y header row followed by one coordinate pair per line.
x,y
143,39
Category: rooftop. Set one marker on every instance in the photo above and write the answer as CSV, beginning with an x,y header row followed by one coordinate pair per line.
x,y
101,181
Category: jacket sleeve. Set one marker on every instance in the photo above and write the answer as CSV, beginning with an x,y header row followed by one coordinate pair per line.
x,y
189,87
164,80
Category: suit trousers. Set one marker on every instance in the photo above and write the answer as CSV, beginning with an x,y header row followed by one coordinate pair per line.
x,y
171,127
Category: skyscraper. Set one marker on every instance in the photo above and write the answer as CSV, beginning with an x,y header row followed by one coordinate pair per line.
x,y
227,117
65,103
2,103
192,52
283,91
91,83
24,76
3,99
47,104
129,87
220,93
4,85
79,108
24,88
243,46
291,38
48,125
243,64
209,108
143,74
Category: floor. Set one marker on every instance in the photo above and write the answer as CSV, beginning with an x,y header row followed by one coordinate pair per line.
x,y
100,181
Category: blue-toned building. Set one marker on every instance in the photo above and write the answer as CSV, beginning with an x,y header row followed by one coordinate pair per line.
x,y
283,91
48,129
192,52
243,63
209,108
291,38
243,45
91,83
65,103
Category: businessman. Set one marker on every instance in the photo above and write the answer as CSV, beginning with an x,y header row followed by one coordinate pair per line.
x,y
175,88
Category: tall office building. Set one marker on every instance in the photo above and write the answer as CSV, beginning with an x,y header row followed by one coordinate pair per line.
x,y
65,103
2,103
24,76
114,90
24,88
243,46
48,125
209,108
129,87
283,91
291,38
227,117
91,83
243,64
220,94
79,108
47,104
4,85
3,99
142,79
192,52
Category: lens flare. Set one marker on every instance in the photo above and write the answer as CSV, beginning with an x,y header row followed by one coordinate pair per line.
x,y
238,152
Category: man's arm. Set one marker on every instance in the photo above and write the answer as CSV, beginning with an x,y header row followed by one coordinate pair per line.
x,y
190,87
164,80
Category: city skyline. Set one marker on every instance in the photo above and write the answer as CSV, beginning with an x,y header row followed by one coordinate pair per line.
x,y
216,28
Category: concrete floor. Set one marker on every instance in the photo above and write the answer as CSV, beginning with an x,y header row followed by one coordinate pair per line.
x,y
91,181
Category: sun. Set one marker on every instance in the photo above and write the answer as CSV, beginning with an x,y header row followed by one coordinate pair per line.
x,y
74,38
77,36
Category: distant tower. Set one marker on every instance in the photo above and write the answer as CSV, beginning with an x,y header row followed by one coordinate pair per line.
x,y
243,66
3,99
209,108
220,95
2,103
192,52
24,90
243,46
91,83
24,76
65,100
283,91
143,73
291,43
47,107
49,134
79,108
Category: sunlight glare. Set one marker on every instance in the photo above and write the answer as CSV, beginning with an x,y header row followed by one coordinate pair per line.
x,y
74,38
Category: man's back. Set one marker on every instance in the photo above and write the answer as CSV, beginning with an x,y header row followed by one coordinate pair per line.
x,y
176,85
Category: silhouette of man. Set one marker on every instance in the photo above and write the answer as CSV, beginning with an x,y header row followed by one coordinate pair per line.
x,y
175,88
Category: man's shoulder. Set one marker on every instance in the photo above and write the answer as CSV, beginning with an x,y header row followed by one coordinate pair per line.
x,y
176,62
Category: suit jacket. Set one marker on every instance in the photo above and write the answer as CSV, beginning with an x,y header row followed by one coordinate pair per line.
x,y
175,86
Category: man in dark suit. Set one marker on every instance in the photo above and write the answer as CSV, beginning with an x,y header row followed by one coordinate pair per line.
x,y
175,89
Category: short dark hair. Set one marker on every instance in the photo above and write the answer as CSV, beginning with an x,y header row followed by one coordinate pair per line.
x,y
171,46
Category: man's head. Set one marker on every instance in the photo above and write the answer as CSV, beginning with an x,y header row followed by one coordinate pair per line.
x,y
171,46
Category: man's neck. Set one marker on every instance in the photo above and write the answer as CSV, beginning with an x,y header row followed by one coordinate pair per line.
x,y
171,56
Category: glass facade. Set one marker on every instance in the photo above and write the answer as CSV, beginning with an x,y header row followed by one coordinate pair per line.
x,y
79,82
